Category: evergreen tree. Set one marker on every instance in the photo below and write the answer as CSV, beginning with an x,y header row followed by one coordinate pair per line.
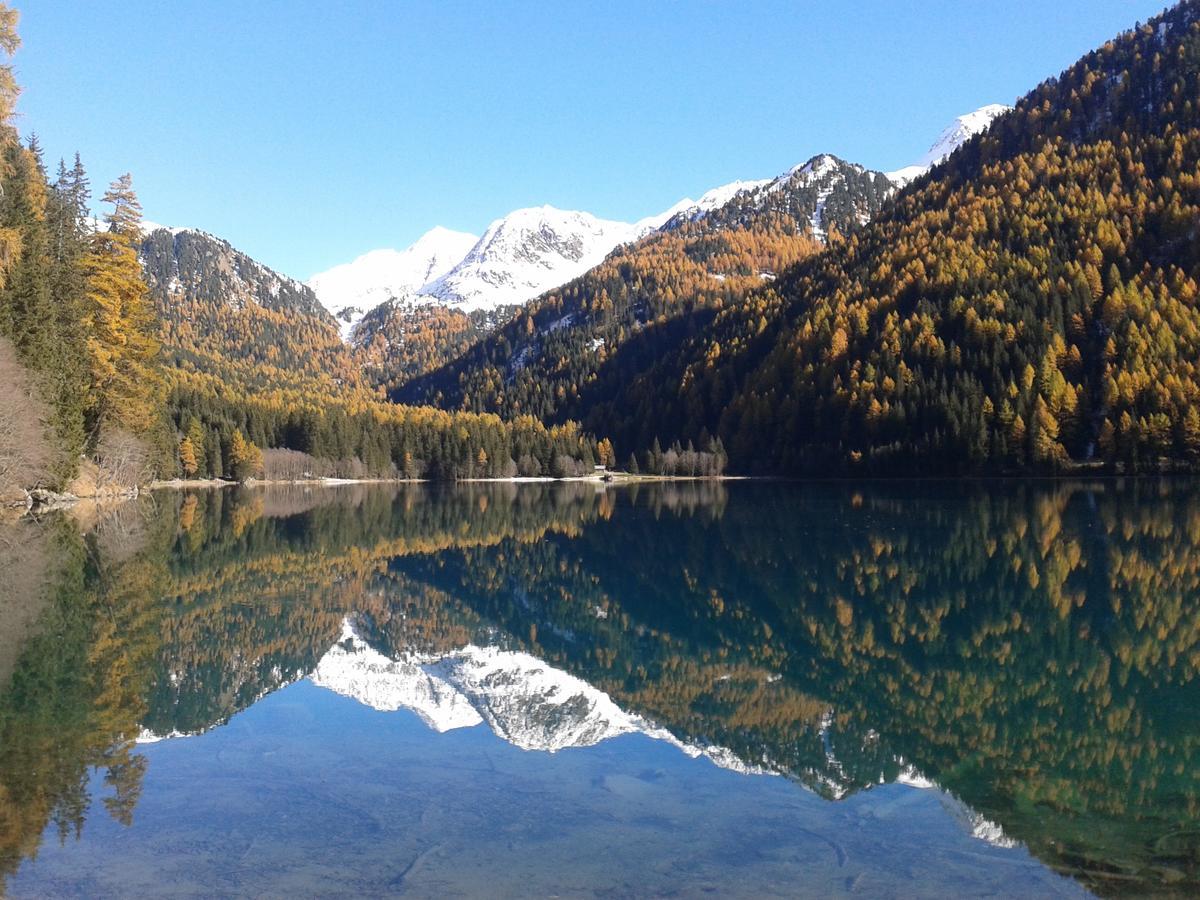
x,y
197,437
245,459
188,462
122,342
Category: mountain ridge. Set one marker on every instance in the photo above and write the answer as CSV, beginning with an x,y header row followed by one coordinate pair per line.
x,y
514,262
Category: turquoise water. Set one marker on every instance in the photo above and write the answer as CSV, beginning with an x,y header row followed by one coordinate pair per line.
x,y
892,689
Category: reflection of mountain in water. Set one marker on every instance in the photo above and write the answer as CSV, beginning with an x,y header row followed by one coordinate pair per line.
x,y
1026,647
537,707
521,699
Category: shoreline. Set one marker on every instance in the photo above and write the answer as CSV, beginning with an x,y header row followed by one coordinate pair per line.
x,y
181,484
34,504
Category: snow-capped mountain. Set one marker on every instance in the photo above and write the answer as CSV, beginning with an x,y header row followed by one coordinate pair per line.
x,y
531,251
825,190
953,136
690,209
523,254
818,193
352,289
526,253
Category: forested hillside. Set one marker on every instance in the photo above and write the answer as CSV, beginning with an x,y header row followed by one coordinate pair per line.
x,y
615,320
254,361
1030,303
399,340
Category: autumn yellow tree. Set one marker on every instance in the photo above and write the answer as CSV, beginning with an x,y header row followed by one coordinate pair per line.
x,y
245,459
605,453
10,238
122,347
187,457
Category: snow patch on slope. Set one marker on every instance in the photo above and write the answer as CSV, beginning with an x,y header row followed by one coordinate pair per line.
x,y
710,200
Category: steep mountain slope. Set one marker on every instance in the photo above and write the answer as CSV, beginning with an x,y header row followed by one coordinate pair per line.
x,y
351,290
223,312
1030,302
185,263
403,339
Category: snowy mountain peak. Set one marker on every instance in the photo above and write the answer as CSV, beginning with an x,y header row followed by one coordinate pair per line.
x,y
809,192
961,130
526,253
953,136
689,210
354,669
527,703
348,291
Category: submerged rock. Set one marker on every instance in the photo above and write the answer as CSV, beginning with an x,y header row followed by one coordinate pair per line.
x,y
47,499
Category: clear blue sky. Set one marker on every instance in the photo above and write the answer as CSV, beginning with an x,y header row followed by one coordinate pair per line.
x,y
307,133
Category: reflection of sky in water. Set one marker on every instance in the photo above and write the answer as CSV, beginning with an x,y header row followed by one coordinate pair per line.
x,y
308,792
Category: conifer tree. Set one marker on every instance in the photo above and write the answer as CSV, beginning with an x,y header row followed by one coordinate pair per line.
x,y
199,441
216,468
9,42
245,459
122,343
188,463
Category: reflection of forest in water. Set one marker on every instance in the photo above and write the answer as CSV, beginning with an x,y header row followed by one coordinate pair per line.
x,y
1030,647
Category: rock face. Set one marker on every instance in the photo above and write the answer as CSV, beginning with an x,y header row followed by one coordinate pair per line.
x,y
44,499
185,263
86,485
821,193
15,498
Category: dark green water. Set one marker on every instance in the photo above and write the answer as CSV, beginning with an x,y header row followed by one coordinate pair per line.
x,y
888,689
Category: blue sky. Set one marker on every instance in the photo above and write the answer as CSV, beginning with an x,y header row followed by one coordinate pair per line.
x,y
307,133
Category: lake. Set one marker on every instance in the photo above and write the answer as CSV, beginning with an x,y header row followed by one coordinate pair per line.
x,y
909,689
